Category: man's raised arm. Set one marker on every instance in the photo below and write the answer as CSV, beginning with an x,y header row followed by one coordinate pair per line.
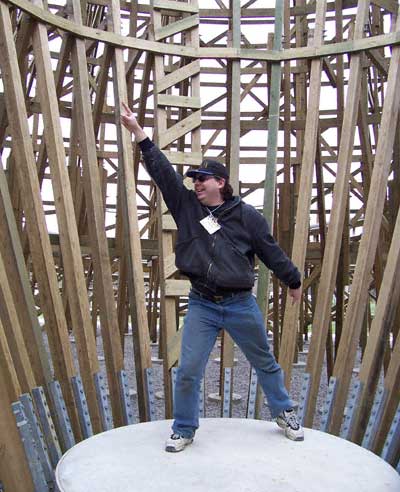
x,y
156,163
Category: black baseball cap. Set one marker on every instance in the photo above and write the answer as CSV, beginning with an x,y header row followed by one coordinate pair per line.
x,y
210,167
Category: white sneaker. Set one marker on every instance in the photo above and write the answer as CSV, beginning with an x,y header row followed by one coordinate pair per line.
x,y
177,443
288,421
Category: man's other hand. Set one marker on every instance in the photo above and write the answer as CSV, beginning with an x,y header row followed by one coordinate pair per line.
x,y
295,294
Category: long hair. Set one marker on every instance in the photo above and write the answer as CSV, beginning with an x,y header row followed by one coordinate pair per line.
x,y
227,191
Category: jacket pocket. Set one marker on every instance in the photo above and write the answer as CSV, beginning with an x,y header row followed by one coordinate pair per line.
x,y
190,256
233,268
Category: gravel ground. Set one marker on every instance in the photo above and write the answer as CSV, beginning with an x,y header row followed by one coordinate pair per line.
x,y
241,374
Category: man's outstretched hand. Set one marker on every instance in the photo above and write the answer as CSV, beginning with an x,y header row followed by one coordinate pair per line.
x,y
130,123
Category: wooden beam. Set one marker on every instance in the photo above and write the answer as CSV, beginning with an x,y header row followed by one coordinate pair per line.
x,y
369,241
14,468
72,262
131,230
95,211
176,27
232,156
51,302
332,248
382,324
272,152
300,242
114,39
15,268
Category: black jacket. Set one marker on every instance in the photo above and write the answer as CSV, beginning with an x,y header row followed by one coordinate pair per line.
x,y
225,259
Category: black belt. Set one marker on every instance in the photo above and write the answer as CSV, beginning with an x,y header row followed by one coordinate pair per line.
x,y
221,297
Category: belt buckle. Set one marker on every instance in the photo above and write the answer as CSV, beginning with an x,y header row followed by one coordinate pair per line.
x,y
218,298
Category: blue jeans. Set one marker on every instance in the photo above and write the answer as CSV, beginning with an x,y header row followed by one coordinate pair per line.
x,y
242,319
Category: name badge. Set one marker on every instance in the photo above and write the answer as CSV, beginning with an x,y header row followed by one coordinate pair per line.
x,y
210,224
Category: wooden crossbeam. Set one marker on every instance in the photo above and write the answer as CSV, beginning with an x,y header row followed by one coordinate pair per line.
x,y
176,287
188,124
174,6
173,78
176,27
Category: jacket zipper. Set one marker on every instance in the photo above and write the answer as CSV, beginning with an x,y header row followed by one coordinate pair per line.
x,y
211,262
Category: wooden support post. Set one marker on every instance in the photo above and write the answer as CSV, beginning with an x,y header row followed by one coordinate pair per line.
x,y
385,314
263,286
14,469
15,268
331,255
131,229
274,73
232,162
78,301
95,211
36,227
367,249
289,331
170,289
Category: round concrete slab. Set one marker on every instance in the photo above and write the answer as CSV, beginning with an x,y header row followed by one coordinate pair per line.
x,y
243,455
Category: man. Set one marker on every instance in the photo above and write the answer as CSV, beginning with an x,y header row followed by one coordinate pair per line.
x,y
218,237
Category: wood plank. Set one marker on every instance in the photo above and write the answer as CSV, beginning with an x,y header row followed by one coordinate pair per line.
x,y
179,101
181,128
385,314
72,262
177,287
272,151
169,266
14,469
85,32
379,61
12,386
392,389
175,6
300,242
137,301
42,259
168,223
176,27
11,250
95,212
178,75
190,159
339,205
174,348
13,333
369,240
101,88
167,307
232,154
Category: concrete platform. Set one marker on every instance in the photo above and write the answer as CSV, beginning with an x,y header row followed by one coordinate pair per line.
x,y
243,455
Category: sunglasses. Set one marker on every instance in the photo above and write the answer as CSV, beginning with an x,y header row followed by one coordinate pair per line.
x,y
204,177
